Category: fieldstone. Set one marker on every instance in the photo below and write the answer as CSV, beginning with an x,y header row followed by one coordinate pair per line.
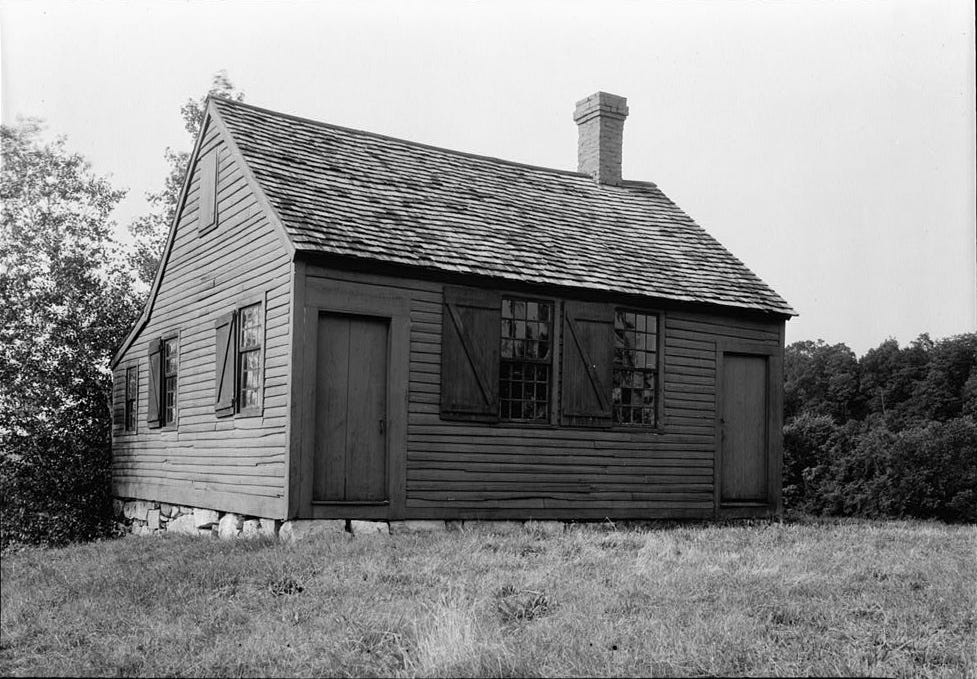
x,y
251,529
152,519
496,527
166,509
269,528
300,529
137,509
361,528
118,507
454,525
229,526
142,530
205,518
407,527
182,525
206,532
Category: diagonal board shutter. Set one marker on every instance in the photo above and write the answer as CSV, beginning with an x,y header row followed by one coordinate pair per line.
x,y
588,359
118,400
224,346
470,327
154,413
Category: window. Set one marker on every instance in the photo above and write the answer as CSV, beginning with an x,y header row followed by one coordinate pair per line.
x,y
499,357
249,357
164,361
526,356
170,362
207,206
237,362
635,368
132,393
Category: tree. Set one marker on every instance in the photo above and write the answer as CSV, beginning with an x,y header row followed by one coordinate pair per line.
x,y
943,393
65,305
889,376
820,379
149,232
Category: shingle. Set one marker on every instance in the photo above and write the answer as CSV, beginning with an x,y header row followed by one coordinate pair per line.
x,y
363,195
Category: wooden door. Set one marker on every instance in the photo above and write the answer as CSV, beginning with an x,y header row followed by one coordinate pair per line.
x,y
743,463
351,409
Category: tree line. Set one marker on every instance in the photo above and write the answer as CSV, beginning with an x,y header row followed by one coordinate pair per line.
x,y
890,434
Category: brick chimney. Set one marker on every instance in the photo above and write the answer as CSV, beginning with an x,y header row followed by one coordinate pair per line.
x,y
600,120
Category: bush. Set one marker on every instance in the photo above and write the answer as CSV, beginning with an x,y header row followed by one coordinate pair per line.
x,y
55,479
866,469
807,441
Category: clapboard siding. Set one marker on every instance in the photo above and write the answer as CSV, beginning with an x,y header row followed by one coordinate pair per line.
x,y
471,470
233,463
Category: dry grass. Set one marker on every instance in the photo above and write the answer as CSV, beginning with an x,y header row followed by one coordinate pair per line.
x,y
855,598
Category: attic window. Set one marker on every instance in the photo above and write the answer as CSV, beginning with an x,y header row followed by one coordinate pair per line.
x,y
207,201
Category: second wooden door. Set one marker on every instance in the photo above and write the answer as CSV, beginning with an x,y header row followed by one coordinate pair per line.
x,y
744,429
351,409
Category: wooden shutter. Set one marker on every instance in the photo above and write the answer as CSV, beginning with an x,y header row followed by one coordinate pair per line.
x,y
154,413
224,364
118,400
470,328
588,360
207,202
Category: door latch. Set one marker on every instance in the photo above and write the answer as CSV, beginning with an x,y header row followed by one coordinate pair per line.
x,y
382,426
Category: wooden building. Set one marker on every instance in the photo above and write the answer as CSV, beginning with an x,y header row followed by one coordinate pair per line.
x,y
346,325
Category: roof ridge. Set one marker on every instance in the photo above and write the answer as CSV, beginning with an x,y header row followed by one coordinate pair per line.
x,y
432,147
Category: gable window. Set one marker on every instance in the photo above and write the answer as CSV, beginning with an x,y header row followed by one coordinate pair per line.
x,y
237,362
525,370
207,200
132,393
164,361
635,373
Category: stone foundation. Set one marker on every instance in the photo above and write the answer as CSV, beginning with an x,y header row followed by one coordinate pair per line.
x,y
145,517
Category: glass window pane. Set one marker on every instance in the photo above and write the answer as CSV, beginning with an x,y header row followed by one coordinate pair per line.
x,y
520,329
506,308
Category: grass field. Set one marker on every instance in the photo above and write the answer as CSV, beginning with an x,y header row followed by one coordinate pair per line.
x,y
850,598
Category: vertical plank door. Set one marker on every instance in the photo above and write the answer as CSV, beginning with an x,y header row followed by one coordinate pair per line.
x,y
351,409
744,429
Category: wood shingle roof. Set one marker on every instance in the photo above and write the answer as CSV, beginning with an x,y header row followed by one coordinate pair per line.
x,y
362,195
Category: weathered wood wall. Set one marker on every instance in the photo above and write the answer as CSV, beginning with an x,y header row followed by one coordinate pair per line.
x,y
508,470
233,463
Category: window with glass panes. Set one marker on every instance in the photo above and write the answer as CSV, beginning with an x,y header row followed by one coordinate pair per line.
x,y
635,368
525,369
132,391
249,357
170,363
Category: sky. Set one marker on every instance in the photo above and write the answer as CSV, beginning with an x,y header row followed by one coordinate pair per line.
x,y
831,146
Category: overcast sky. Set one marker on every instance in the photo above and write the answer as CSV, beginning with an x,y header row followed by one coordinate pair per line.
x,y
830,146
